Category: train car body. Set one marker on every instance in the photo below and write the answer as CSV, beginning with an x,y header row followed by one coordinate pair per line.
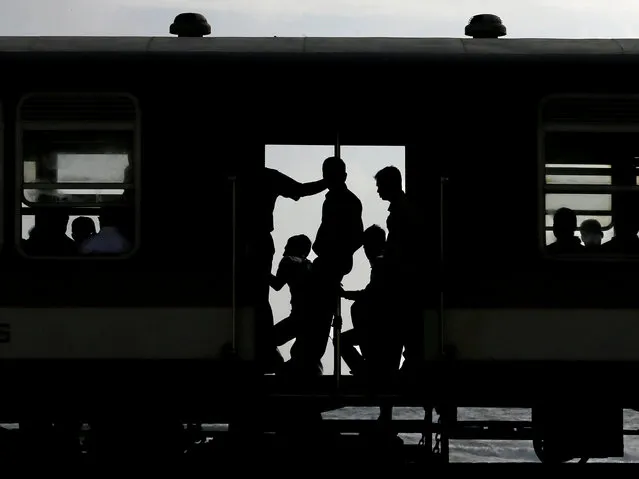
x,y
480,119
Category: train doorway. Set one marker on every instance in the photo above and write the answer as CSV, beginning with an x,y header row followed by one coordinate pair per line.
x,y
304,163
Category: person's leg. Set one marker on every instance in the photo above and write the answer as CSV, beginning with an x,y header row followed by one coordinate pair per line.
x,y
286,329
353,359
267,353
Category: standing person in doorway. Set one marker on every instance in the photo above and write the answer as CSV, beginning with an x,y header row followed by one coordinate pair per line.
x,y
403,262
262,190
295,271
339,236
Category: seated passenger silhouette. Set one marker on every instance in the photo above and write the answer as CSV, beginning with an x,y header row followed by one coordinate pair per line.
x,y
338,237
370,314
564,225
626,222
49,235
109,240
262,190
294,270
591,234
128,193
82,228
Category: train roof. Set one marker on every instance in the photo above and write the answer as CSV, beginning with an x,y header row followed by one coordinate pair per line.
x,y
381,47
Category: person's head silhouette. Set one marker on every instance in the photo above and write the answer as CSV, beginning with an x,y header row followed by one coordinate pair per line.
x,y
591,233
82,228
564,224
389,183
334,172
299,245
374,241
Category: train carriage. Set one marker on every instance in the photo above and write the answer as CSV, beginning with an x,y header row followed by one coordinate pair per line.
x,y
498,134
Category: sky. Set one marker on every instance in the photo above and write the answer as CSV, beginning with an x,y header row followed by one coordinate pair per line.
x,y
402,18
354,18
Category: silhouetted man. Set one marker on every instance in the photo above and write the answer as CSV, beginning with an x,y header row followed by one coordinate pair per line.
x,y
564,225
82,228
48,237
368,312
338,238
403,262
263,191
373,322
626,222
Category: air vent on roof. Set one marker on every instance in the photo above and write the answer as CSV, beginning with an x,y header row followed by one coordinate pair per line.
x,y
594,110
78,108
485,25
192,25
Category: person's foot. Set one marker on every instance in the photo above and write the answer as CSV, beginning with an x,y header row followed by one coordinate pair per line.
x,y
273,362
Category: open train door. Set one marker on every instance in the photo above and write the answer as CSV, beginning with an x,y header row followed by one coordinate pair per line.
x,y
423,185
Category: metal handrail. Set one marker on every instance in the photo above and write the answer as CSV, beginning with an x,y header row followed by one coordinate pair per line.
x,y
337,320
233,267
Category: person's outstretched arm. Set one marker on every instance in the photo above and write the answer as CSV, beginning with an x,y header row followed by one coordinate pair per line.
x,y
289,188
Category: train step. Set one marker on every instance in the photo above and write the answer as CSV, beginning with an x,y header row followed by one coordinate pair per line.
x,y
487,430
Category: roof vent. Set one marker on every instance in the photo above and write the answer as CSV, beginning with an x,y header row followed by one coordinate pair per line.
x,y
192,25
485,26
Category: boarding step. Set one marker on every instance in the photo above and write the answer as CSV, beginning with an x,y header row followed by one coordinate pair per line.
x,y
491,430
329,401
462,430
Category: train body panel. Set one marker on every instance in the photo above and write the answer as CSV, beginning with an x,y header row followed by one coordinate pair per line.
x,y
125,333
467,112
531,335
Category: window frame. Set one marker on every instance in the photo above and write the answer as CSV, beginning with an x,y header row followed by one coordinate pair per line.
x,y
544,127
3,203
44,186
72,126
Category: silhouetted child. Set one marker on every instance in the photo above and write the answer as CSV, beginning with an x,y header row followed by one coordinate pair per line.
x,y
294,270
591,234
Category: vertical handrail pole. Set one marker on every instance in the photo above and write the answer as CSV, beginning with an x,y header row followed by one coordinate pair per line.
x,y
443,414
337,320
233,267
442,275
337,335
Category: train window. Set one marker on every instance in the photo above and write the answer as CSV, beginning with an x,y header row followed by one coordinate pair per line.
x,y
78,157
578,202
590,174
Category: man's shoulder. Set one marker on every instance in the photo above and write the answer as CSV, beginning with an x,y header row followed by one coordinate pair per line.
x,y
286,261
343,197
405,208
404,203
352,198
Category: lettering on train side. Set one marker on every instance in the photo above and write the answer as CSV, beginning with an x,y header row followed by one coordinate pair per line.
x,y
5,333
